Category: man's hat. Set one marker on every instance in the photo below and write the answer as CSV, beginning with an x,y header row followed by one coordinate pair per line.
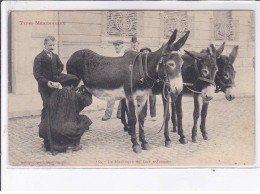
x,y
145,48
118,42
134,39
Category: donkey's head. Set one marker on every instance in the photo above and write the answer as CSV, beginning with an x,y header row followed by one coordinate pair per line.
x,y
171,62
225,78
205,71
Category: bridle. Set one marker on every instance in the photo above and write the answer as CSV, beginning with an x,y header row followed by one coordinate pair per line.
x,y
147,79
165,80
198,78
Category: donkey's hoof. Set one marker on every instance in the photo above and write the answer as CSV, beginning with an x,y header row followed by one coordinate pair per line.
x,y
137,149
168,144
174,130
146,146
129,132
194,139
205,137
183,140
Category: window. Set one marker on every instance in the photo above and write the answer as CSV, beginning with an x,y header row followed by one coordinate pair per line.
x,y
176,20
224,27
123,23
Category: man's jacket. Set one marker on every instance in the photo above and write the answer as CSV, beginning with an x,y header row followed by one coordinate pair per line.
x,y
46,69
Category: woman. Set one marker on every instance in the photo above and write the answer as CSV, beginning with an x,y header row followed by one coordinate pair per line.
x,y
63,126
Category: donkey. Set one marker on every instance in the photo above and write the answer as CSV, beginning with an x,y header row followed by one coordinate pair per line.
x,y
199,71
224,81
124,77
225,77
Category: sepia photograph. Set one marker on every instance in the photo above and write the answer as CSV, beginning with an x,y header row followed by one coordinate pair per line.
x,y
131,88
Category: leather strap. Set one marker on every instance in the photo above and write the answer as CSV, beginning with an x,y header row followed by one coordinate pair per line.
x,y
140,65
145,65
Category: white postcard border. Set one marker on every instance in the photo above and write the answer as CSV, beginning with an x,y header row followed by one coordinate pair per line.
x,y
125,178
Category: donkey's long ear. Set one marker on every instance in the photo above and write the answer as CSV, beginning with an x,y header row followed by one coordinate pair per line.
x,y
176,46
172,38
191,55
233,55
220,50
213,48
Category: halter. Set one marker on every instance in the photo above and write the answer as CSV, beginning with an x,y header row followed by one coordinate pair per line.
x,y
202,78
145,77
165,80
222,86
199,78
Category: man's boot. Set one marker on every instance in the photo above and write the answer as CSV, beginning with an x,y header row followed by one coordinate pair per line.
x,y
109,110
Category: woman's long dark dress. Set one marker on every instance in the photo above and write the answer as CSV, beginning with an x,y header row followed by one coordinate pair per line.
x,y
63,120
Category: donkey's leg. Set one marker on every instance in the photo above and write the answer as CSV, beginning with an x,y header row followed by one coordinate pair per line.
x,y
123,114
178,105
132,122
203,120
196,115
173,117
145,145
167,118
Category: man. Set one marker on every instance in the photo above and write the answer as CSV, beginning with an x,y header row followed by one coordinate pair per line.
x,y
119,44
47,66
152,99
111,103
134,45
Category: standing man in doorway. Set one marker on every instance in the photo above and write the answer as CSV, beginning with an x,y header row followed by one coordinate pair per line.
x,y
47,66
110,104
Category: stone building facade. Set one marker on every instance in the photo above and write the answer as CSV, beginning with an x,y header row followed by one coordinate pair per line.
x,y
96,30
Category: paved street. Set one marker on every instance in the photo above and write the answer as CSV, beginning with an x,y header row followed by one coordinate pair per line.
x,y
230,126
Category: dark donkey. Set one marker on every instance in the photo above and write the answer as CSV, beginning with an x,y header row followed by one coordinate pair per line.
x,y
225,80
123,77
225,77
192,87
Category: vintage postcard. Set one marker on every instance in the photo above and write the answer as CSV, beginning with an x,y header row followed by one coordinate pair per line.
x,y
131,88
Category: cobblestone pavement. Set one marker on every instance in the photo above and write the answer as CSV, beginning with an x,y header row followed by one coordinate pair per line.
x,y
230,126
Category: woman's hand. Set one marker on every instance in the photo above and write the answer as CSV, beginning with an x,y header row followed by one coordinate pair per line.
x,y
56,85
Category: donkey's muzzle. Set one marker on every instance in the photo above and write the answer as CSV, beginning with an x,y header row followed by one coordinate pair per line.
x,y
207,93
176,85
229,94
